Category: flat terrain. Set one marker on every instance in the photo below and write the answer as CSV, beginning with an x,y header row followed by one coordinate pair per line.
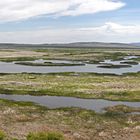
x,y
79,54
83,85
120,122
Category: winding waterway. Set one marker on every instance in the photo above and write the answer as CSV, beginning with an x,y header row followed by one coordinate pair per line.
x,y
53,102
56,102
16,68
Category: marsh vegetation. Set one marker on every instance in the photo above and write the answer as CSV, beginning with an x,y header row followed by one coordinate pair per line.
x,y
26,120
82,85
21,118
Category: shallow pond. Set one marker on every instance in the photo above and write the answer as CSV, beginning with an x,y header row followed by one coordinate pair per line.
x,y
16,68
57,102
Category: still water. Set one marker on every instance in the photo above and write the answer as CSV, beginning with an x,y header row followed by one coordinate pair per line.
x,y
57,102
16,68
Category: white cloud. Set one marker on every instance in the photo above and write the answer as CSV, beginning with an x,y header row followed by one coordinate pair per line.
x,y
14,10
111,28
109,32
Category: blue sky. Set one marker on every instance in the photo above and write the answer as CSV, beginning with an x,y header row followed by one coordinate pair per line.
x,y
52,21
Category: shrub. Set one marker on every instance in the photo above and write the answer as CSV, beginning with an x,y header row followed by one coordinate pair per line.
x,y
55,136
45,136
2,135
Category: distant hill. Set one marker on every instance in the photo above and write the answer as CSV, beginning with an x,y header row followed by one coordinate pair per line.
x,y
71,45
136,44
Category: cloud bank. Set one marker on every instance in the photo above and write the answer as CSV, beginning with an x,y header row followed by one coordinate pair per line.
x,y
16,10
109,32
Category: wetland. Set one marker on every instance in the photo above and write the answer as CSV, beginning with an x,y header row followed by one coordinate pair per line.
x,y
66,93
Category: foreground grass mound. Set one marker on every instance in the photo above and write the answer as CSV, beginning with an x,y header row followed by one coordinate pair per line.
x,y
37,136
2,135
45,136
19,119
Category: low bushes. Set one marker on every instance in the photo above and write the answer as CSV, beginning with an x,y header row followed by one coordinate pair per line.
x,y
45,136
2,135
37,136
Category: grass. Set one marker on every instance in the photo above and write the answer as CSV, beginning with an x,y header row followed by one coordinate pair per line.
x,y
123,96
20,118
130,63
36,136
81,85
9,59
49,64
45,136
112,66
94,55
122,109
2,135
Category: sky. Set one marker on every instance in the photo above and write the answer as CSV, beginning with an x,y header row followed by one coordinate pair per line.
x,y
65,21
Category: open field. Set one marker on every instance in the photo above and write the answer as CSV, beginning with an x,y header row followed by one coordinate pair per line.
x,y
18,119
70,70
125,88
77,54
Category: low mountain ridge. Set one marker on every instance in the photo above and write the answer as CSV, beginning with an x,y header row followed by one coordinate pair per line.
x,y
71,45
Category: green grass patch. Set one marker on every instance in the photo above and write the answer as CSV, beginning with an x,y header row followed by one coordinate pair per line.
x,y
45,136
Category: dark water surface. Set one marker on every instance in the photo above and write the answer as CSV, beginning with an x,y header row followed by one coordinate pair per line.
x,y
16,68
56,102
